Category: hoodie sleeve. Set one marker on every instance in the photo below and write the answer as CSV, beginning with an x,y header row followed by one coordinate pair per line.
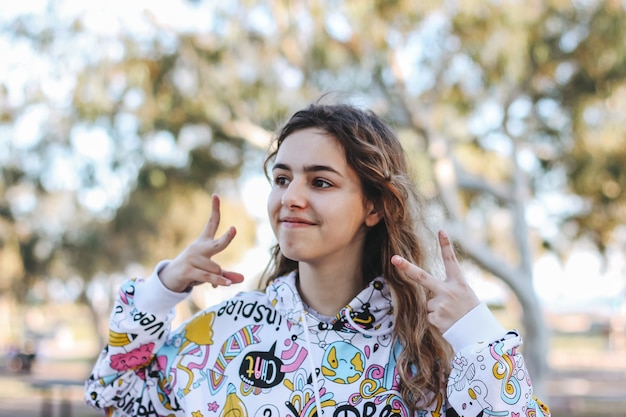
x,y
488,373
126,379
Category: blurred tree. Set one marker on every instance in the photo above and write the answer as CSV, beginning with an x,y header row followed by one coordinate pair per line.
x,y
119,132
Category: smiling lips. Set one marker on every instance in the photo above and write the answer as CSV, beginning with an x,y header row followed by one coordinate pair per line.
x,y
295,222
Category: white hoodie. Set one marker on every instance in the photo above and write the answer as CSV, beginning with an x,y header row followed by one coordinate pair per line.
x,y
263,355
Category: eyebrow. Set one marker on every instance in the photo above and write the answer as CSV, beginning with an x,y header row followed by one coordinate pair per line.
x,y
308,168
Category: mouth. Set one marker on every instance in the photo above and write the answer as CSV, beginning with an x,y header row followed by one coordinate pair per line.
x,y
295,222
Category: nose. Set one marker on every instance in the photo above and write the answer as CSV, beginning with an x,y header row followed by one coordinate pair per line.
x,y
294,196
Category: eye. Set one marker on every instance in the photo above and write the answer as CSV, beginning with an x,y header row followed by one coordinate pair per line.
x,y
321,183
281,180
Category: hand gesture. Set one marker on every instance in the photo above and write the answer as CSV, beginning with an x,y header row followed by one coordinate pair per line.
x,y
451,298
194,266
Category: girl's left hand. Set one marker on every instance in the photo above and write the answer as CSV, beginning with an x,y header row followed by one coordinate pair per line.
x,y
451,298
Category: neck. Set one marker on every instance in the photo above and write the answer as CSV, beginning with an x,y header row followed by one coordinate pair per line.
x,y
328,290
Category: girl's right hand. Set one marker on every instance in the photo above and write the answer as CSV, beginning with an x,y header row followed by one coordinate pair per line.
x,y
194,266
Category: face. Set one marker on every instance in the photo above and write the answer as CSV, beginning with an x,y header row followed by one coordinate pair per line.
x,y
316,206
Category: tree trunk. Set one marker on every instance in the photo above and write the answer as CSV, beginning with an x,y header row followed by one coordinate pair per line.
x,y
537,343
517,277
96,318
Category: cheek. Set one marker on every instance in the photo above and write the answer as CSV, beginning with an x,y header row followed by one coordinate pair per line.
x,y
273,205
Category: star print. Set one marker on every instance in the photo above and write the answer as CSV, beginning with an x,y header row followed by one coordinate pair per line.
x,y
213,406
196,414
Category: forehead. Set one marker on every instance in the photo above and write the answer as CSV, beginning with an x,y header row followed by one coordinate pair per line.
x,y
311,146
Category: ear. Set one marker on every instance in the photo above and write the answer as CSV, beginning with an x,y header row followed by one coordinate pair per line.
x,y
374,215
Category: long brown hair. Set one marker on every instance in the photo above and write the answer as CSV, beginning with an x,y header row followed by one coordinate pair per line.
x,y
373,150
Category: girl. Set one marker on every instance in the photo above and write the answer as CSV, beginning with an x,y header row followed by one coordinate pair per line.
x,y
348,324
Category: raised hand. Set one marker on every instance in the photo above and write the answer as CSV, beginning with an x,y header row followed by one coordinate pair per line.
x,y
451,298
194,266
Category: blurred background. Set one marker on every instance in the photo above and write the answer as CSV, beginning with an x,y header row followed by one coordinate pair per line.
x,y
118,120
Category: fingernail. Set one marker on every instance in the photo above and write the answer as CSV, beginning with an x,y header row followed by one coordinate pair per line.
x,y
443,234
396,260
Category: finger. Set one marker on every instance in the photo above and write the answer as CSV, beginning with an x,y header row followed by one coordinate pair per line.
x,y
209,248
416,273
216,280
234,277
223,241
219,280
214,219
212,273
450,262
223,278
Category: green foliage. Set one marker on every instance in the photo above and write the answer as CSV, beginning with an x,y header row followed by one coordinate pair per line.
x,y
543,82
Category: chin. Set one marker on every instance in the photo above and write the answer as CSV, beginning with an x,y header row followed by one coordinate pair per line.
x,y
293,254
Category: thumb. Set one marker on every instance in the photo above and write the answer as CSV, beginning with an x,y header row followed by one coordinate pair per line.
x,y
234,277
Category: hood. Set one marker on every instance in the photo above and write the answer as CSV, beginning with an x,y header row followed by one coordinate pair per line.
x,y
369,313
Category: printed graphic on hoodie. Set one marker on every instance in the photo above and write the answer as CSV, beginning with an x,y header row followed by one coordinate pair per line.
x,y
263,355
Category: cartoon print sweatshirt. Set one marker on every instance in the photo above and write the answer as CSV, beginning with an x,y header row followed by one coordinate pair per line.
x,y
261,354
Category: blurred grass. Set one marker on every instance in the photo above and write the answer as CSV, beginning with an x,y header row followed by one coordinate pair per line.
x,y
24,396
578,342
